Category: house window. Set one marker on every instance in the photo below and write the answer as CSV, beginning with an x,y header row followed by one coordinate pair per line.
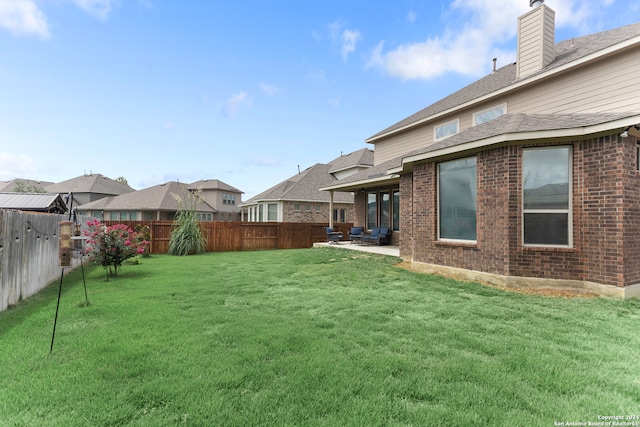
x,y
339,215
97,214
307,207
546,202
272,212
228,199
296,206
385,209
149,215
318,207
490,114
260,212
445,130
396,211
372,220
457,199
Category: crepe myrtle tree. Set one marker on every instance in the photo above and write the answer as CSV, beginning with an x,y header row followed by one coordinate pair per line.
x,y
110,246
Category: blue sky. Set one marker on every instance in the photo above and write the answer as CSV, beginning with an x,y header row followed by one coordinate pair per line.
x,y
241,91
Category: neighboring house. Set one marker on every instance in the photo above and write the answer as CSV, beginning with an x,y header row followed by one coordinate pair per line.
x,y
88,188
33,202
157,203
24,186
225,199
299,199
526,177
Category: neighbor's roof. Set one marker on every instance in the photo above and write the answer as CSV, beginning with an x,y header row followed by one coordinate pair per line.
x,y
305,186
157,198
213,184
9,186
35,202
566,52
93,183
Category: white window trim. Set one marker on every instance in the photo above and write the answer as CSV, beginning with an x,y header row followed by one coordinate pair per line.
x,y
568,211
436,127
495,107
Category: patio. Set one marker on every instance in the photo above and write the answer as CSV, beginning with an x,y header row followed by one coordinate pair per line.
x,y
390,250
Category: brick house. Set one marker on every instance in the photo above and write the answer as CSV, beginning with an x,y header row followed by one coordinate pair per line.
x,y
527,177
299,199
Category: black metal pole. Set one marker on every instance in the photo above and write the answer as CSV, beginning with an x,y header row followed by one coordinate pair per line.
x,y
55,321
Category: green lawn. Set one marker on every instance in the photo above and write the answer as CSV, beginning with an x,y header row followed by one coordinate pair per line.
x,y
312,337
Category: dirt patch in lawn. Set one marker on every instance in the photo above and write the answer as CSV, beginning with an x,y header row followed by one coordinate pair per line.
x,y
547,292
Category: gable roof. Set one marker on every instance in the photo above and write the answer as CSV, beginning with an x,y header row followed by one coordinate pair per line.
x,y
568,52
213,184
305,186
34,202
157,198
93,183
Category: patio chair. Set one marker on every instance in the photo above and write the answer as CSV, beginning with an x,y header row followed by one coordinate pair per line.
x,y
379,236
355,234
333,236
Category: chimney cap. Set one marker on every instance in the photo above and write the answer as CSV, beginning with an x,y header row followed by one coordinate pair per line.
x,y
535,3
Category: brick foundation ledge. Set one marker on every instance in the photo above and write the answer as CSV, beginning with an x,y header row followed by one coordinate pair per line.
x,y
529,283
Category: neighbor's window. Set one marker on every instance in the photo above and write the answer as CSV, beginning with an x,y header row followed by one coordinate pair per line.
x,y
457,199
371,211
339,215
272,212
490,114
296,206
260,212
446,129
546,202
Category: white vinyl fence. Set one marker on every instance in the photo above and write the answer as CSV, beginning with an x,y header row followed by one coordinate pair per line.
x,y
28,254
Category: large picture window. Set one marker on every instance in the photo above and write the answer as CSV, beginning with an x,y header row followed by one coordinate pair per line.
x,y
546,205
457,199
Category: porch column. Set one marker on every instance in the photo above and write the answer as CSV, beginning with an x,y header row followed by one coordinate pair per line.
x,y
331,209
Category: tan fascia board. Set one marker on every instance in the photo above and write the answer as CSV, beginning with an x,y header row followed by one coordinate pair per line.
x,y
522,83
353,186
518,137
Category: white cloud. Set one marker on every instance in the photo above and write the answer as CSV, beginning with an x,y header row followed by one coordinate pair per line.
x,y
346,39
12,166
23,18
270,90
233,104
473,38
349,40
98,8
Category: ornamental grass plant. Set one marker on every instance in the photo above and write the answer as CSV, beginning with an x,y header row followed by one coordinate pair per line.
x,y
311,337
187,238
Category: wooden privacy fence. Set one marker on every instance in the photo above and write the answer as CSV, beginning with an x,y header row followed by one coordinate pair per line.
x,y
241,236
28,254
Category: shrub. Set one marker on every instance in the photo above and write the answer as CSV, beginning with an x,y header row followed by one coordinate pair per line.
x,y
111,246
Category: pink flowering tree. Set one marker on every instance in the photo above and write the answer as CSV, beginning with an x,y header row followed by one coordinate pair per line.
x,y
111,246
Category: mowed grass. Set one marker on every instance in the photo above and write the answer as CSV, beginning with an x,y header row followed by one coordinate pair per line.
x,y
315,337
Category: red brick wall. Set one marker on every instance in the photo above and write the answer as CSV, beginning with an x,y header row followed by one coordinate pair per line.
x,y
606,217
